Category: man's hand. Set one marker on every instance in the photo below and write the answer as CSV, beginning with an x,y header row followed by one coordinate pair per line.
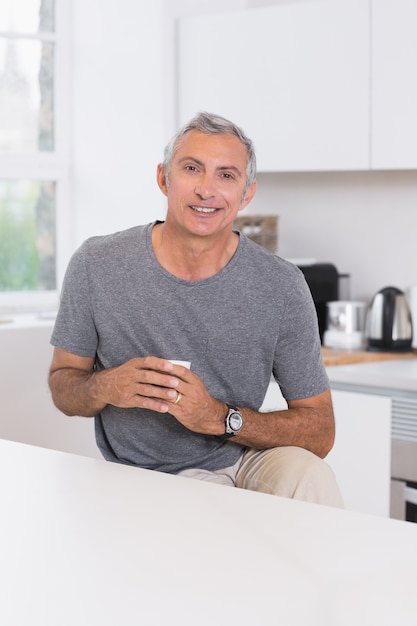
x,y
154,383
195,408
149,383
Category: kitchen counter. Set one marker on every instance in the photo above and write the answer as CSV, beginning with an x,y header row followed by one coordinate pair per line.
x,y
344,357
85,541
382,377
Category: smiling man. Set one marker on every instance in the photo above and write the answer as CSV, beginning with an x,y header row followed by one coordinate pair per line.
x,y
193,289
204,178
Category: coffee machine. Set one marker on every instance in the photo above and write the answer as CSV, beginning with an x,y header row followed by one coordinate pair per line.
x,y
323,280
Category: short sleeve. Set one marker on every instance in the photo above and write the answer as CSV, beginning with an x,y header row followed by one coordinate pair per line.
x,y
298,364
74,329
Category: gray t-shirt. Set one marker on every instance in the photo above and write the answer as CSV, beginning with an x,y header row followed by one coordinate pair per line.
x,y
253,319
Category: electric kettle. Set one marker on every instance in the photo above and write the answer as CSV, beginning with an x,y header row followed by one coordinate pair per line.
x,y
388,322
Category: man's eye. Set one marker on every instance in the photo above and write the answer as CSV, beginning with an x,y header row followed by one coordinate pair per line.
x,y
227,175
191,168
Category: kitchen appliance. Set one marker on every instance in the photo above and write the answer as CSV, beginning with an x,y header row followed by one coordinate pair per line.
x,y
323,280
404,459
345,325
388,322
412,303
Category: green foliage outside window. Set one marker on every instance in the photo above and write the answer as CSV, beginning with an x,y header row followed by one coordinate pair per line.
x,y
19,253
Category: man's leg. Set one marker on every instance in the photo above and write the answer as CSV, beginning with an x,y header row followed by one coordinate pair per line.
x,y
290,472
225,476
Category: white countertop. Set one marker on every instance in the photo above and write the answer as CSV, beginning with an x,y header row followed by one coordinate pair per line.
x,y
83,541
394,375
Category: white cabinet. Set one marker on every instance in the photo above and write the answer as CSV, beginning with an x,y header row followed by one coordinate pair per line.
x,y
318,85
295,77
361,456
394,84
27,413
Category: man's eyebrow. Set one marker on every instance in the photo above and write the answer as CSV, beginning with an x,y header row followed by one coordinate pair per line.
x,y
222,168
191,158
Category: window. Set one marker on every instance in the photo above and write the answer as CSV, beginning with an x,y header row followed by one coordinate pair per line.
x,y
34,152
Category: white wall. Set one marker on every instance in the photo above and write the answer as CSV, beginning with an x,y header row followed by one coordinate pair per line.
x,y
118,114
363,222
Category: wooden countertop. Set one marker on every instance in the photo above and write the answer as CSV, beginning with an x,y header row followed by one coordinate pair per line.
x,y
347,357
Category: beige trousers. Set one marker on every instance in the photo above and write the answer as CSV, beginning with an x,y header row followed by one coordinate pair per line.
x,y
289,472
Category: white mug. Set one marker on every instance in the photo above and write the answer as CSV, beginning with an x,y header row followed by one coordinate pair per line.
x,y
186,364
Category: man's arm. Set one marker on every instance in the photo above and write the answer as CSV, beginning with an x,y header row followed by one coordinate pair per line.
x,y
79,390
153,383
307,423
72,382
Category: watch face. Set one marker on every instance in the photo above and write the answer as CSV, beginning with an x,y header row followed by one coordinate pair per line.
x,y
235,421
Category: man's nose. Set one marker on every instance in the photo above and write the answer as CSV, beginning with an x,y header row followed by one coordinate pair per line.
x,y
205,187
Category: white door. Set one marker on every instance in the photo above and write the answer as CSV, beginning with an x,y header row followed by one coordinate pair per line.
x,y
361,456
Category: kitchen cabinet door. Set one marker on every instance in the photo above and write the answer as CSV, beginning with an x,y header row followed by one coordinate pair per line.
x,y
361,456
295,77
394,84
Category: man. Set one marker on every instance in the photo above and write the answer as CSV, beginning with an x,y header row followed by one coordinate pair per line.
x,y
190,288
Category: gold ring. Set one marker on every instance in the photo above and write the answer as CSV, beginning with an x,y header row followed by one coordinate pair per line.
x,y
178,398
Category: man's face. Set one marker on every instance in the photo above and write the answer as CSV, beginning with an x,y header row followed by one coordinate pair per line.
x,y
207,183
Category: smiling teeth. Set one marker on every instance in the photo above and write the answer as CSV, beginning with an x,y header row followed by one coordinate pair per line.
x,y
201,209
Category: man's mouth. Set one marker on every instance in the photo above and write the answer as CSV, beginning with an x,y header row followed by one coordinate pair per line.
x,y
203,209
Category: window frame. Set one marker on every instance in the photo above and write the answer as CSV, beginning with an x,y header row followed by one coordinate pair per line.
x,y
52,166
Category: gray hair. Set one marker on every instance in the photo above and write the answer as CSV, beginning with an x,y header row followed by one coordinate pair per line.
x,y
211,124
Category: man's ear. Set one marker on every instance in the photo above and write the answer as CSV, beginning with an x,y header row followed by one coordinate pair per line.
x,y
248,195
161,178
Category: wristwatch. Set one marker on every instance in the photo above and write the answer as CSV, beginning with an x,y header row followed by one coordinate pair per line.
x,y
233,421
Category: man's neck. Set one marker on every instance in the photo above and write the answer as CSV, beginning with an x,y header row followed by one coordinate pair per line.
x,y
192,258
